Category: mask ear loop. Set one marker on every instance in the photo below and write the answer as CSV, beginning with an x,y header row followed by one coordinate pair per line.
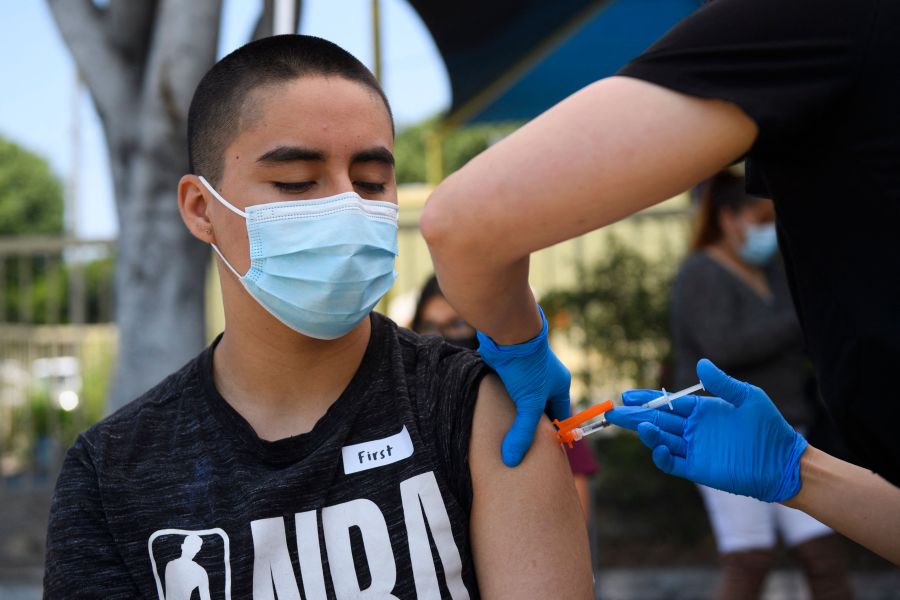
x,y
225,260
218,197
233,209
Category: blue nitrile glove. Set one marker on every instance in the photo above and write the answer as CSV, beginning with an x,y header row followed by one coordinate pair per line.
x,y
535,380
738,442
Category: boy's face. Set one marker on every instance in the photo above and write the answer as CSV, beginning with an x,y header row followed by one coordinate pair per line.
x,y
312,137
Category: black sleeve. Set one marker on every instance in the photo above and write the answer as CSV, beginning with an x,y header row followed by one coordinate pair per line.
x,y
785,63
453,378
82,560
701,302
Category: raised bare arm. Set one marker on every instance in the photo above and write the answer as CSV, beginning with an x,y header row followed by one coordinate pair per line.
x,y
612,149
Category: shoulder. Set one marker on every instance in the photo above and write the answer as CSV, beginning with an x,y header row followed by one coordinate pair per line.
x,y
698,267
430,357
144,418
702,284
444,383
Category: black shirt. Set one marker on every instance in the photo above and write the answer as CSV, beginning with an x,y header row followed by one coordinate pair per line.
x,y
821,79
175,493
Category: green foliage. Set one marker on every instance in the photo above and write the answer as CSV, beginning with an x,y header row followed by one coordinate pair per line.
x,y
31,203
97,359
40,420
41,412
31,199
621,309
47,295
458,146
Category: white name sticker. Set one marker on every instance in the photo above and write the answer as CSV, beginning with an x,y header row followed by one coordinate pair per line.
x,y
377,453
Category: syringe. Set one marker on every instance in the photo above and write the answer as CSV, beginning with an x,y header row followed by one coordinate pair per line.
x,y
667,398
569,430
579,433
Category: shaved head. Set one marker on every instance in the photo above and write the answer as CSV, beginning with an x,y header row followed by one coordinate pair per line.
x,y
225,102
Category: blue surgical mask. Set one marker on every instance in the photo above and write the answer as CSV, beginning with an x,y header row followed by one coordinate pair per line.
x,y
318,266
760,244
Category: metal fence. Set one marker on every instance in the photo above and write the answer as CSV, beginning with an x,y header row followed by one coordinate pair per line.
x,y
660,235
57,346
57,338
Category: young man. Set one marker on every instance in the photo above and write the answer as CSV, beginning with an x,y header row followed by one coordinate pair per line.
x,y
314,450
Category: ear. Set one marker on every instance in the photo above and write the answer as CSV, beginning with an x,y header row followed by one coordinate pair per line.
x,y
193,206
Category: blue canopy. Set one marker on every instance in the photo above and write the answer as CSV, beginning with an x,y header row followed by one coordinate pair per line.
x,y
543,51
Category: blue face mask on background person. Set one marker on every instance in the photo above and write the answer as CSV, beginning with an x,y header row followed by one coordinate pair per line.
x,y
760,244
318,266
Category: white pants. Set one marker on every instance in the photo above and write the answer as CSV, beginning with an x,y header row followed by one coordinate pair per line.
x,y
742,523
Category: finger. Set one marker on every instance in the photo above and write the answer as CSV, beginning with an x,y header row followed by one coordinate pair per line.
x,y
519,437
627,417
559,407
638,397
653,436
630,417
665,462
720,384
682,407
649,434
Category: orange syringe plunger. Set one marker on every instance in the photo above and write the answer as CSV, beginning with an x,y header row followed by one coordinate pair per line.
x,y
568,430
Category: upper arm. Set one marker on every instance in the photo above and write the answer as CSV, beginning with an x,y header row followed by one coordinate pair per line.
x,y
527,530
82,558
609,150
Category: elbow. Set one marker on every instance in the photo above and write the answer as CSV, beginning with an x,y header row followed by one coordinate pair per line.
x,y
433,224
440,223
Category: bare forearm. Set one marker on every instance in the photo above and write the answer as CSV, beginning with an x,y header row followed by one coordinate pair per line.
x,y
610,150
851,500
498,301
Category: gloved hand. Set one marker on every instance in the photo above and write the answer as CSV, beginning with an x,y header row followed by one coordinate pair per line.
x,y
535,380
738,442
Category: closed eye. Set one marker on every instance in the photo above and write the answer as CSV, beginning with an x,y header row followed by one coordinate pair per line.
x,y
294,187
375,188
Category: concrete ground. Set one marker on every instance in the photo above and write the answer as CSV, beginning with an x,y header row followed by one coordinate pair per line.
x,y
656,584
699,583
23,523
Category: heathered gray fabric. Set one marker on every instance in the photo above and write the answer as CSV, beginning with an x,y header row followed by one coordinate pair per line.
x,y
717,316
180,458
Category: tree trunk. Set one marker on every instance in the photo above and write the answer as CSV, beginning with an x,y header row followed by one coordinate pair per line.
x,y
142,60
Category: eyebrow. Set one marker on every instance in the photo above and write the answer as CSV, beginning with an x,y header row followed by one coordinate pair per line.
x,y
283,154
377,154
290,154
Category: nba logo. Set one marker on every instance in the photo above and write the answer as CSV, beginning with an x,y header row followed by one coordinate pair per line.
x,y
186,560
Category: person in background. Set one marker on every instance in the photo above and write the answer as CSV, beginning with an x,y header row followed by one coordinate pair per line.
x,y
434,315
731,303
